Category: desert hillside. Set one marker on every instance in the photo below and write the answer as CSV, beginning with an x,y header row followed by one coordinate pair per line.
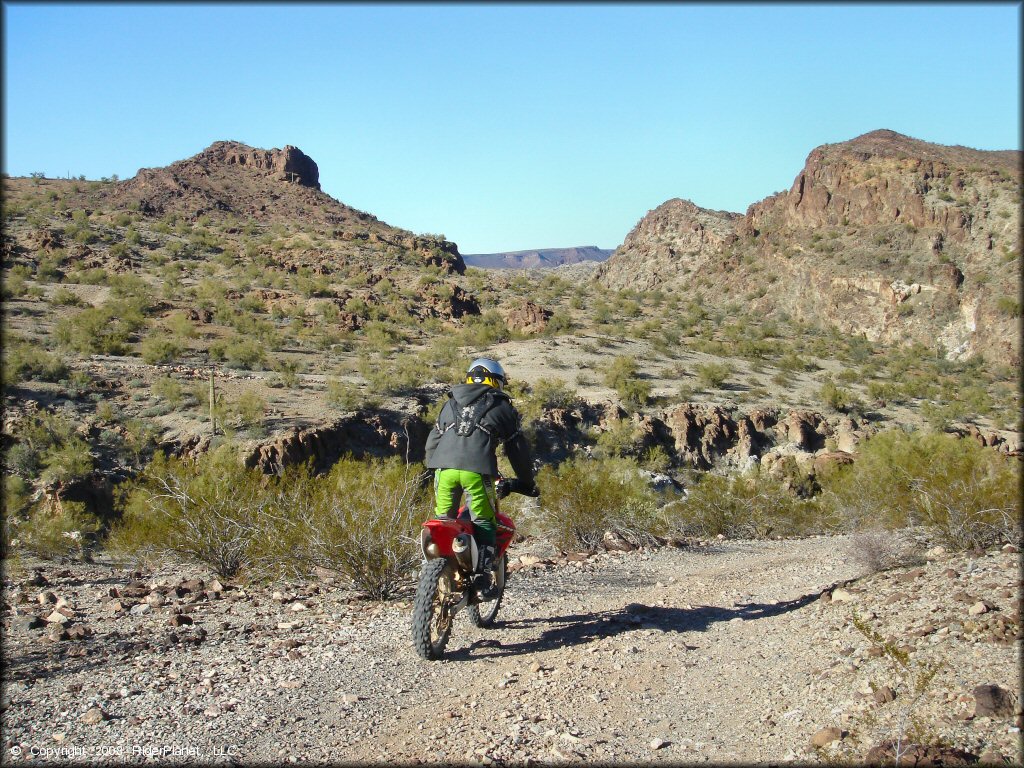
x,y
883,236
217,385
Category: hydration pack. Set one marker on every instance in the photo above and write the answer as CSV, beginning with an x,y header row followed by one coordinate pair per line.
x,y
467,417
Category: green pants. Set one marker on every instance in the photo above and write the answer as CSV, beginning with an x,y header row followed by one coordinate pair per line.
x,y
448,487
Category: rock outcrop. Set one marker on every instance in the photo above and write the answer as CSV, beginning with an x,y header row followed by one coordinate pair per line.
x,y
676,237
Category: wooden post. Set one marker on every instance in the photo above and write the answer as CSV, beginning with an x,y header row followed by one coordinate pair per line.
x,y
213,401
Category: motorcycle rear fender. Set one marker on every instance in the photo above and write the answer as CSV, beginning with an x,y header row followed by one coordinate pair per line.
x,y
436,539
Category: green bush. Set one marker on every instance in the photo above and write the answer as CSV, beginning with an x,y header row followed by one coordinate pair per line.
x,y
249,409
622,376
1008,306
169,390
25,361
746,506
158,348
966,495
583,498
244,353
837,398
349,397
713,375
64,297
210,512
100,330
620,439
358,519
64,533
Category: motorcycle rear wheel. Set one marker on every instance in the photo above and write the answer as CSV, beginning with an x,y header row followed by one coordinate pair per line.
x,y
483,614
431,613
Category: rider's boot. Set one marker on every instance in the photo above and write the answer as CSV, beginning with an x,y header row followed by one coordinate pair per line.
x,y
483,582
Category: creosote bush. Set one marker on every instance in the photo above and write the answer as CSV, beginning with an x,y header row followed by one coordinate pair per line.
x,y
966,495
582,498
358,519
746,506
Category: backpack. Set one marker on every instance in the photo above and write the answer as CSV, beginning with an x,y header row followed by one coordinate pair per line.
x,y
467,418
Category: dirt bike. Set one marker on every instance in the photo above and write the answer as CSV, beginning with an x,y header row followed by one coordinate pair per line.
x,y
450,558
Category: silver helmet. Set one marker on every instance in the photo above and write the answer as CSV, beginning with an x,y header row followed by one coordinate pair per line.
x,y
483,367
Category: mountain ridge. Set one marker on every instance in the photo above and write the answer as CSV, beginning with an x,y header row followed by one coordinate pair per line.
x,y
543,258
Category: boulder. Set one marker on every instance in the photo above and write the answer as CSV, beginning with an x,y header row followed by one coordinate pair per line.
x,y
993,701
528,318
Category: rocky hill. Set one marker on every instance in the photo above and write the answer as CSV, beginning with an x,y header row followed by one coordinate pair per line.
x,y
544,258
231,180
884,236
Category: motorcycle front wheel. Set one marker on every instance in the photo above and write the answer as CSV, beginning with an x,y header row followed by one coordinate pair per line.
x,y
431,614
483,615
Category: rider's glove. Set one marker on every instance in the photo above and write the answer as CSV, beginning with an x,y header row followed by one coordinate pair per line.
x,y
531,490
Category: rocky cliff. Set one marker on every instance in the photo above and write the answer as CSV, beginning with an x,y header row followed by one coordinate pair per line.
x,y
885,236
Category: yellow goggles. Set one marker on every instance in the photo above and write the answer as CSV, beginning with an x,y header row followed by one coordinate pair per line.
x,y
488,380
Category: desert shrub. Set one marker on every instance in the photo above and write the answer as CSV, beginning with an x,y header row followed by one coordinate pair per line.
x,y
357,520
55,534
179,324
158,348
881,550
583,498
620,439
546,394
244,353
24,361
64,297
484,330
99,330
249,409
168,390
964,494
837,398
1008,306
713,375
66,460
209,512
348,396
622,376
746,506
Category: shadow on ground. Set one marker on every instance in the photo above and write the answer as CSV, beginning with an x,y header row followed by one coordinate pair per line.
x,y
579,629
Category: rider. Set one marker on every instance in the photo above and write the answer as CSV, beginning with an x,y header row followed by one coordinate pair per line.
x,y
462,449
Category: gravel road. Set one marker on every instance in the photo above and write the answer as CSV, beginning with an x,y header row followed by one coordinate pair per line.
x,y
735,652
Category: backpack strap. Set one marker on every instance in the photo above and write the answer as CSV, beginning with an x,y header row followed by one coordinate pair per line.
x,y
467,418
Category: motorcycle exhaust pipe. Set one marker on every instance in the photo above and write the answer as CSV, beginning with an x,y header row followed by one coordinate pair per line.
x,y
462,548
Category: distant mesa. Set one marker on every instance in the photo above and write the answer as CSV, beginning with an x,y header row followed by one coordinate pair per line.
x,y
541,258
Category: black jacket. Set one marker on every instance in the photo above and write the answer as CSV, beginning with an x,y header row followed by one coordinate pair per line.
x,y
498,422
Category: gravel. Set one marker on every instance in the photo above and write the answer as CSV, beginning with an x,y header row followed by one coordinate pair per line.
x,y
741,651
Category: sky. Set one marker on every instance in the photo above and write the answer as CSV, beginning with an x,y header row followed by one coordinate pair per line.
x,y
505,127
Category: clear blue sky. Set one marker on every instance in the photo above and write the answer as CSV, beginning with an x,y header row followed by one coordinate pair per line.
x,y
512,126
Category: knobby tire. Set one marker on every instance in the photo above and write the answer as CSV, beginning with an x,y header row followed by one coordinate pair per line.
x,y
429,645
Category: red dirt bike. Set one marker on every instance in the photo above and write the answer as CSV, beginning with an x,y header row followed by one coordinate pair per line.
x,y
450,557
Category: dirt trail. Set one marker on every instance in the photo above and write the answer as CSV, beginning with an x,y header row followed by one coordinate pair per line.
x,y
722,654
